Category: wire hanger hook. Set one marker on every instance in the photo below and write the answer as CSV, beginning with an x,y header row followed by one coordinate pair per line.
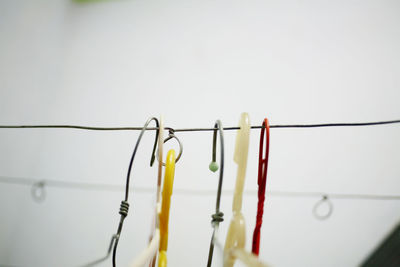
x,y
171,135
123,211
218,216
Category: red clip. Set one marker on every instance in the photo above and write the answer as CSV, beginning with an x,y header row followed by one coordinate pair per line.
x,y
262,180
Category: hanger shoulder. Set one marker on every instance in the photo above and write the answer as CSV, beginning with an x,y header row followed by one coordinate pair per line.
x,y
149,252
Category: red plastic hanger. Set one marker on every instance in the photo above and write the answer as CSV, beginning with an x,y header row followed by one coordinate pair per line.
x,y
262,181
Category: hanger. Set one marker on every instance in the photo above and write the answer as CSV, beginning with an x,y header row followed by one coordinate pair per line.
x,y
236,233
248,258
123,211
92,263
262,180
236,237
150,253
165,207
218,216
124,204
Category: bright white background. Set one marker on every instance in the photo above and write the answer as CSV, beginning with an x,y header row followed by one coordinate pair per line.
x,y
115,63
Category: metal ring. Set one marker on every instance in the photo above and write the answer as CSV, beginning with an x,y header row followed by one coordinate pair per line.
x,y
317,214
38,191
171,136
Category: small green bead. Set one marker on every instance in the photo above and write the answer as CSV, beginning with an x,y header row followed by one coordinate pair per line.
x,y
213,166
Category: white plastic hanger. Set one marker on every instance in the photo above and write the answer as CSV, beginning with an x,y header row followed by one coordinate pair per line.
x,y
149,254
248,258
236,237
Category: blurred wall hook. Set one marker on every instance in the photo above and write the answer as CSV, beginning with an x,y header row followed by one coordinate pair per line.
x,y
38,191
318,211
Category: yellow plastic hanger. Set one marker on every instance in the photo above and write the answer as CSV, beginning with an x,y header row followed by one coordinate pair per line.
x,y
149,254
165,206
236,237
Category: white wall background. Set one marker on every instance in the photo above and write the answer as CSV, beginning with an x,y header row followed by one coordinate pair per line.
x,y
115,63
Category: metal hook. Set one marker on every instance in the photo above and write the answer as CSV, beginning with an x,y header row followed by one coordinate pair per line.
x,y
38,191
124,207
317,214
218,216
135,150
171,135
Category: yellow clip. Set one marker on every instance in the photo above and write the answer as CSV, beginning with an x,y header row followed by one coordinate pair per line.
x,y
165,205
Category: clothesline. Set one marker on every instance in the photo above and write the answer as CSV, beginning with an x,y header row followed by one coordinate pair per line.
x,y
114,187
109,187
38,186
93,128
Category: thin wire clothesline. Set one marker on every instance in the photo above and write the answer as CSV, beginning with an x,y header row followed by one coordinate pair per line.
x,y
93,128
114,187
109,187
